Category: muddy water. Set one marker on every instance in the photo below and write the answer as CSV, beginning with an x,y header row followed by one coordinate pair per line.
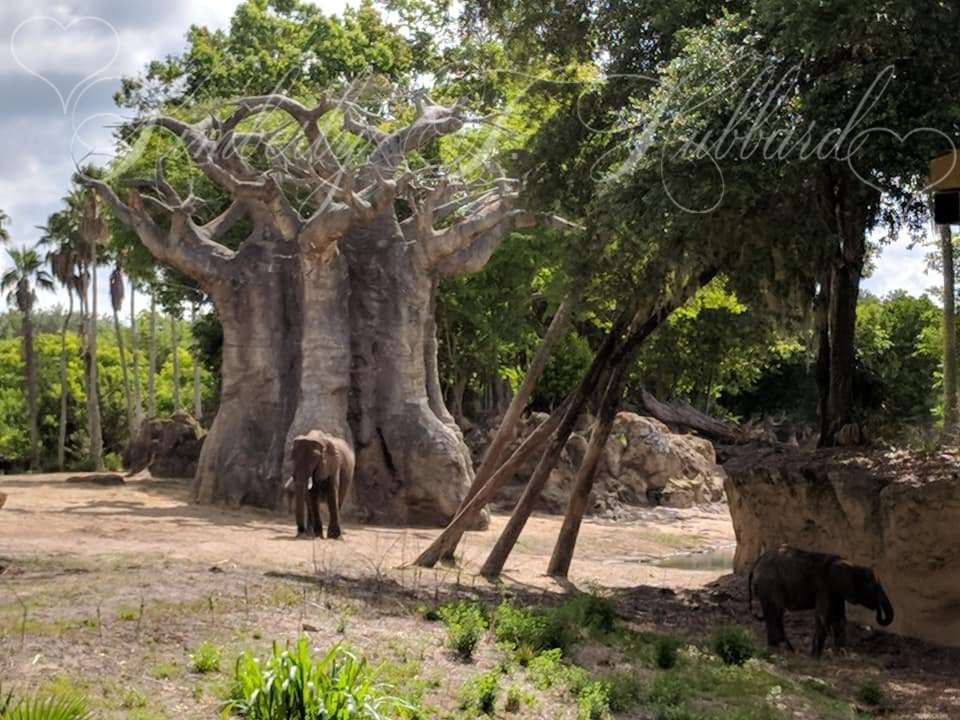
x,y
712,559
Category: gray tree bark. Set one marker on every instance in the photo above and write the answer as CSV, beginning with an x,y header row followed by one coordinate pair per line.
x,y
328,318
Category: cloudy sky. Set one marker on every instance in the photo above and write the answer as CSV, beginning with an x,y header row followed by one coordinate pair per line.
x,y
60,64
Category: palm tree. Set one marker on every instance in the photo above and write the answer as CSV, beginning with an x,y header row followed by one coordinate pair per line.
x,y
19,282
116,300
67,256
4,220
94,231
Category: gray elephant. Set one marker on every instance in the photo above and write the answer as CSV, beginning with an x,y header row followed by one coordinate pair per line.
x,y
792,579
322,468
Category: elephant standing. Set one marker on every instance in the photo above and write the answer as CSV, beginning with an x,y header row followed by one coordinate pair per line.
x,y
792,579
322,467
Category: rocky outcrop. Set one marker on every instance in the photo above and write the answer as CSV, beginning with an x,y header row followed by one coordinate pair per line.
x,y
895,512
168,447
643,464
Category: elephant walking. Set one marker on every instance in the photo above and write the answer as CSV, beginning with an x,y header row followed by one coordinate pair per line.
x,y
791,579
322,468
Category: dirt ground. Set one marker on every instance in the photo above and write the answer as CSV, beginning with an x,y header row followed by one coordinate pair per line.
x,y
89,571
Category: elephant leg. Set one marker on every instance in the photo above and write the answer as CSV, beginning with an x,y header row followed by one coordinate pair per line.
x,y
333,505
772,615
300,502
316,522
839,623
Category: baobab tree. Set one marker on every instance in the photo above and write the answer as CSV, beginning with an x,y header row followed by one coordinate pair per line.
x,y
327,303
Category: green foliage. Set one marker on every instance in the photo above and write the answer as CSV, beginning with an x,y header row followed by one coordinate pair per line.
x,y
206,658
14,435
546,669
665,652
479,693
594,701
44,706
625,689
734,644
290,683
668,690
870,693
519,627
465,624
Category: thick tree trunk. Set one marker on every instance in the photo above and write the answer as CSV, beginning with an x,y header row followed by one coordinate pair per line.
x,y
843,428
412,465
175,357
62,425
242,457
93,393
949,338
152,361
137,395
822,328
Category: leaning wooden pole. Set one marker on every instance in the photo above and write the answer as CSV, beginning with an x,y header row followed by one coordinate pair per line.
x,y
531,493
493,455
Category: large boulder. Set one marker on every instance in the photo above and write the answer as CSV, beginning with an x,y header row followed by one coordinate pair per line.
x,y
895,512
643,464
168,447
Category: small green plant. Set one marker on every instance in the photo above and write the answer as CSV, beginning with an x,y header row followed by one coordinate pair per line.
x,y
626,689
870,693
480,693
515,698
206,658
518,626
128,614
132,698
113,462
44,706
465,626
291,684
732,643
665,652
594,701
668,690
545,669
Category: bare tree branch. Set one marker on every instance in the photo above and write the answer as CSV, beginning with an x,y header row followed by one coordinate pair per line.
x,y
185,246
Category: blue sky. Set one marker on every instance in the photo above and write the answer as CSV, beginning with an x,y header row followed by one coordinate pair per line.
x,y
60,64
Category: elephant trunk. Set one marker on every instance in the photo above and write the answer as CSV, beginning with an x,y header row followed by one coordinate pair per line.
x,y
884,608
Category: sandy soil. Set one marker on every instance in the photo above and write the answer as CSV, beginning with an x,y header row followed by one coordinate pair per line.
x,y
137,556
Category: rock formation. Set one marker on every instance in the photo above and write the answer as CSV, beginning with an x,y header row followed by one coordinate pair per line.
x,y
643,464
895,512
168,447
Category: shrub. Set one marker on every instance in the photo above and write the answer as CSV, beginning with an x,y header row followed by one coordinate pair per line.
x,y
519,627
870,693
465,626
291,684
516,697
594,701
665,652
668,690
545,669
480,693
733,643
626,689
591,611
206,659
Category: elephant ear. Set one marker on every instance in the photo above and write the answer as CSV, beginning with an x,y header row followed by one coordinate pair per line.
x,y
841,578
